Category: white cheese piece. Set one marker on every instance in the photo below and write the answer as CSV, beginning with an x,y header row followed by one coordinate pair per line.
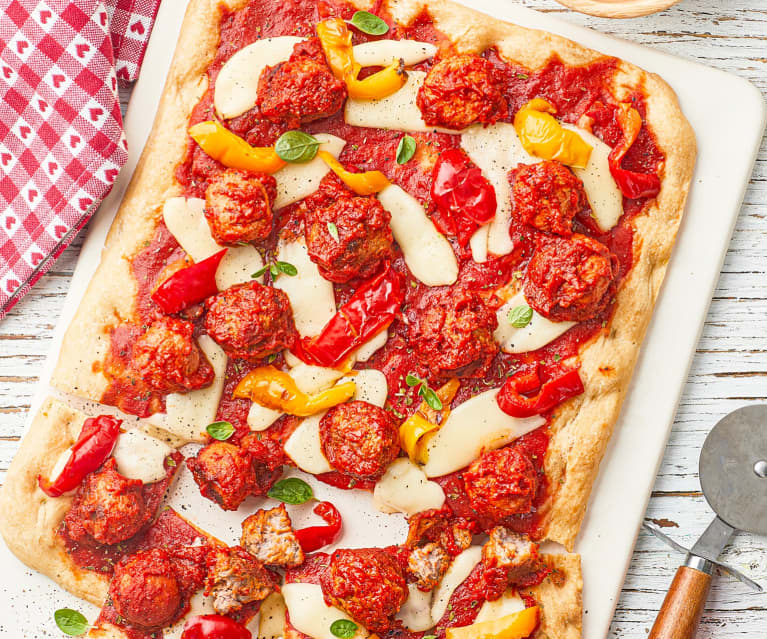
x,y
459,570
369,348
496,150
539,332
140,456
236,86
371,386
239,263
415,613
604,196
473,427
311,295
59,466
199,604
304,447
404,488
271,622
261,417
310,614
296,181
478,244
509,603
398,111
188,414
381,53
427,252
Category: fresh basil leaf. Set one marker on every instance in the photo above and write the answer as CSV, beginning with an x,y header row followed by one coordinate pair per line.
x,y
430,397
343,628
296,147
412,380
287,268
260,272
70,622
369,23
274,270
333,230
292,491
405,149
429,637
220,430
520,316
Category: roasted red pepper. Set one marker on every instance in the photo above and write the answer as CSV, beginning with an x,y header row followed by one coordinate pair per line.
x,y
315,537
214,627
189,285
464,197
93,446
368,311
632,184
525,394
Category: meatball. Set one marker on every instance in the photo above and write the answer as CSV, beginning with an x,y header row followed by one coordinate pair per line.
x,y
501,483
145,590
238,206
364,238
460,90
235,579
224,473
108,507
359,439
299,90
510,555
453,534
452,332
546,196
268,536
368,584
250,321
168,360
570,279
426,566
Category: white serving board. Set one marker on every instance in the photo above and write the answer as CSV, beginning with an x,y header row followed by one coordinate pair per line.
x,y
727,149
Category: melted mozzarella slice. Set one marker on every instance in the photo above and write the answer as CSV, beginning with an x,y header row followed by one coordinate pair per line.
x,y
236,86
61,461
415,613
369,348
478,244
381,53
404,488
398,111
304,447
427,252
459,570
509,603
539,332
311,295
199,604
473,427
496,150
310,614
297,181
188,414
271,617
371,386
140,456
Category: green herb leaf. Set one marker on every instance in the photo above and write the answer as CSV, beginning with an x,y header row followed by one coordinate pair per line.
x,y
430,637
259,272
70,622
430,397
520,316
271,358
333,230
405,149
274,270
220,430
343,628
412,380
292,491
369,23
296,147
287,268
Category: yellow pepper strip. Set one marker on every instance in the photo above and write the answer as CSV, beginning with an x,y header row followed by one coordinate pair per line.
x,y
541,135
336,40
365,183
277,390
232,151
424,421
516,626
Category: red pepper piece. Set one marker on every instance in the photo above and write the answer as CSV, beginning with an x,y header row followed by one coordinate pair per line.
x,y
315,537
465,199
369,310
525,394
214,627
632,184
93,446
189,285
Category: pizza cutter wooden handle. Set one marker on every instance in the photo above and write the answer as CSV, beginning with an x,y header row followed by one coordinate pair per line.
x,y
679,616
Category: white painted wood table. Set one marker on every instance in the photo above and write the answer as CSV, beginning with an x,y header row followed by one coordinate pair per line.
x,y
729,370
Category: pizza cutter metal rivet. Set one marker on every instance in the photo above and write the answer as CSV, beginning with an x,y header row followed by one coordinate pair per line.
x,y
760,468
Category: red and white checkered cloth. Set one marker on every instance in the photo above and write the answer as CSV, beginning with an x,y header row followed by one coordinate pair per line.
x,y
61,136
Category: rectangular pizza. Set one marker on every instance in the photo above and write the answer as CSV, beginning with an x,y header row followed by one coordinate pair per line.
x,y
399,248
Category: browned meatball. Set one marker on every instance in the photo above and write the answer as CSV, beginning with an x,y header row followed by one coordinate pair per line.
x,y
235,579
250,321
364,238
299,90
547,196
359,439
452,332
224,473
368,584
570,279
145,590
460,90
238,206
501,483
167,358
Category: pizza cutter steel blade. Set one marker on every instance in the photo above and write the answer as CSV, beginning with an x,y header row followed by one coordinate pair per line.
x,y
733,476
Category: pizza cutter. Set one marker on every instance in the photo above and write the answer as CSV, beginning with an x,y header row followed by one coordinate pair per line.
x,y
733,476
